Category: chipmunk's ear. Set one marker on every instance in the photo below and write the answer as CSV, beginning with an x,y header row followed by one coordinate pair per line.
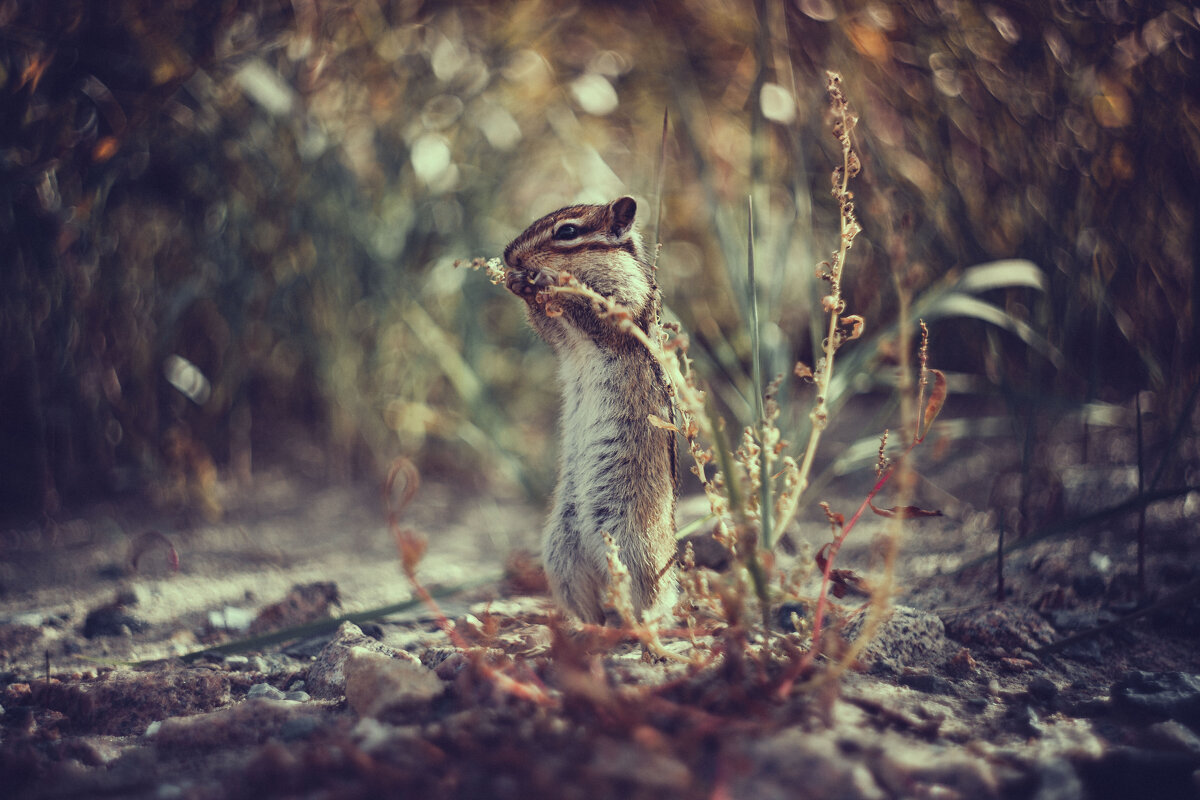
x,y
623,211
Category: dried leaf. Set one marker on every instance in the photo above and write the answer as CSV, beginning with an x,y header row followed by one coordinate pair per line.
x,y
659,422
856,326
822,556
847,581
937,398
905,512
803,371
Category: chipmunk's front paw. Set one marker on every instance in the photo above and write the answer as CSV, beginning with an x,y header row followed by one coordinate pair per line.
x,y
525,283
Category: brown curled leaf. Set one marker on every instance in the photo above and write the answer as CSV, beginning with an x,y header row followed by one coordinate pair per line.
x,y
905,512
937,398
659,422
822,556
412,481
856,326
803,371
847,581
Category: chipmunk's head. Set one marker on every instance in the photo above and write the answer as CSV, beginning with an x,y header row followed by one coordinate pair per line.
x,y
598,244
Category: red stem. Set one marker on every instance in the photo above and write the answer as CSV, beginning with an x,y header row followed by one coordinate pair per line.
x,y
804,663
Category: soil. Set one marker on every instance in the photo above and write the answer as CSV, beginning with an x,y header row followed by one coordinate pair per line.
x,y
959,695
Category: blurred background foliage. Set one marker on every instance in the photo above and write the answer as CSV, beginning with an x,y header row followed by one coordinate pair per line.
x,y
229,229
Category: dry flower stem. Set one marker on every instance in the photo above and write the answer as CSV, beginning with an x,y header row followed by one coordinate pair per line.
x,y
834,305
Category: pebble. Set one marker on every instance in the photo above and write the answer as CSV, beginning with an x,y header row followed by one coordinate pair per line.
x,y
1175,736
376,684
1005,626
111,621
794,758
926,682
906,638
1042,689
298,697
1170,695
264,690
976,704
326,678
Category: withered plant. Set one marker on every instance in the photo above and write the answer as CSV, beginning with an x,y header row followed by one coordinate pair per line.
x,y
754,491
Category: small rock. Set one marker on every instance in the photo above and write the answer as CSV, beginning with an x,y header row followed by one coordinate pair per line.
x,y
298,697
1042,689
264,690
1015,665
296,686
793,758
926,682
906,638
1006,626
1169,695
376,684
326,677
111,620
976,704
962,665
1174,736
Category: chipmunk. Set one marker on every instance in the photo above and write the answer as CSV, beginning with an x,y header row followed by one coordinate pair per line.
x,y
616,470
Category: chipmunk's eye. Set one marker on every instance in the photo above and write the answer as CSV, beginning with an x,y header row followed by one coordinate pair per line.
x,y
566,232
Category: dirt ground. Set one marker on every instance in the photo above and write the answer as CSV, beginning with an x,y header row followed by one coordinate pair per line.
x,y
958,697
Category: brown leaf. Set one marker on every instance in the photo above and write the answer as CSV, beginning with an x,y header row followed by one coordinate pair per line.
x,y
856,326
847,581
803,371
659,422
905,512
937,398
822,556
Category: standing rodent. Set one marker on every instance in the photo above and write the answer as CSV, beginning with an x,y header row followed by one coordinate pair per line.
x,y
616,469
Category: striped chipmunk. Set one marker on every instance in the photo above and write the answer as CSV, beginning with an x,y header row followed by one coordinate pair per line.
x,y
616,470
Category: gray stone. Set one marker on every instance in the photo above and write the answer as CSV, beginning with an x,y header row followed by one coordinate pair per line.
x,y
376,684
1169,695
264,690
906,639
780,765
326,679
